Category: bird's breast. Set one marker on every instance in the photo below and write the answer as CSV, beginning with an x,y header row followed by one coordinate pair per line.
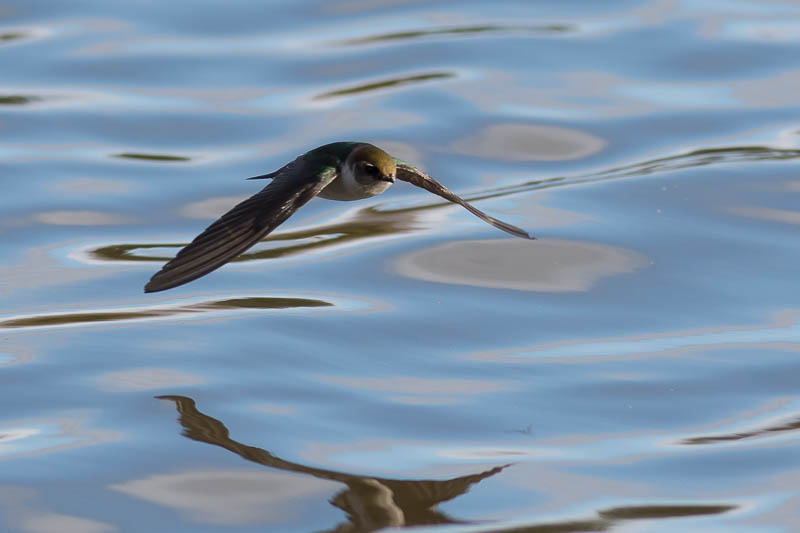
x,y
346,189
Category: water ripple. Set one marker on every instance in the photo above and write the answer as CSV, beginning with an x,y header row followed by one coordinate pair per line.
x,y
457,32
196,309
396,81
782,331
153,157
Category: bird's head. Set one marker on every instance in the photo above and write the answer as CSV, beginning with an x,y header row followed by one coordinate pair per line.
x,y
369,164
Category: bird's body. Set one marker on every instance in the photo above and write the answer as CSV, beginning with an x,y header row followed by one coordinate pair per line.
x,y
341,171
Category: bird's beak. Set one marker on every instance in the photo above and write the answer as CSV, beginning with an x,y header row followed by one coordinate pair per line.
x,y
388,178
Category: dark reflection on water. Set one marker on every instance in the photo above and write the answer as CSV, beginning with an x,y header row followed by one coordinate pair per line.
x,y
17,99
153,157
385,84
64,319
457,31
611,518
264,303
370,223
794,425
122,252
11,36
371,503
663,511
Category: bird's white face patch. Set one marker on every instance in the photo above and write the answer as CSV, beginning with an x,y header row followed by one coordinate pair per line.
x,y
346,187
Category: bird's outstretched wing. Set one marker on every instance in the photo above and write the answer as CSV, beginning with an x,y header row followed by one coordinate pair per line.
x,y
416,177
244,225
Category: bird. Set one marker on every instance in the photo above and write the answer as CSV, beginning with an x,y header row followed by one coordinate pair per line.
x,y
341,171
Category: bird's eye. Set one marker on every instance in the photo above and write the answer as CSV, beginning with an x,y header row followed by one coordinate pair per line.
x,y
371,169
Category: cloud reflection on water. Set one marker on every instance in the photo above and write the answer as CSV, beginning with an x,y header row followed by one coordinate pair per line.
x,y
231,497
544,265
781,331
21,509
38,436
421,391
528,142
140,379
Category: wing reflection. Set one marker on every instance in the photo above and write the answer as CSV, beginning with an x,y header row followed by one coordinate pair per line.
x,y
371,503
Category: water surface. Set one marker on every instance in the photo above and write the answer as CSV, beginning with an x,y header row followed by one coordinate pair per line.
x,y
397,362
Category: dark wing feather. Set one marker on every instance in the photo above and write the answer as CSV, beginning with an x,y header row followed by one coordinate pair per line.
x,y
416,177
243,226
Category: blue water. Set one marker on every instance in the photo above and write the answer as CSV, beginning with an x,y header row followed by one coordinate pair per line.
x,y
396,361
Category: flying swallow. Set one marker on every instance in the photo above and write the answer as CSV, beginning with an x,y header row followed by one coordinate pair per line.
x,y
337,171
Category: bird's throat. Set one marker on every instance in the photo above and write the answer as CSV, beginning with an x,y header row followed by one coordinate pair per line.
x,y
346,188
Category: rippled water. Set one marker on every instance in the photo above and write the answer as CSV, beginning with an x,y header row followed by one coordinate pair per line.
x,y
396,361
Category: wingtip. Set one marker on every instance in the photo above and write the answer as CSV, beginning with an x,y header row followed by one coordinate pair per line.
x,y
263,176
152,287
515,231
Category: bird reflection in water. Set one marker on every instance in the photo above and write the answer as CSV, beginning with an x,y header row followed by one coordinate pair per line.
x,y
371,503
